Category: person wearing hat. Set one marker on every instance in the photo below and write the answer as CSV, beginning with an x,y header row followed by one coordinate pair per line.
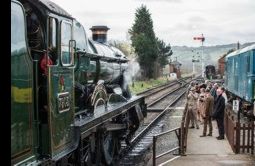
x,y
201,105
192,106
213,90
209,102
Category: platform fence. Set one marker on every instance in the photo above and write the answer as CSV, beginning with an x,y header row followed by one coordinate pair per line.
x,y
240,134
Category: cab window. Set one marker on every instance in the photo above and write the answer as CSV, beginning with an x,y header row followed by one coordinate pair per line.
x,y
53,39
66,36
18,43
80,37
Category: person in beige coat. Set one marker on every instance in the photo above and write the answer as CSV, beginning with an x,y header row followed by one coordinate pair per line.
x,y
201,105
209,102
192,107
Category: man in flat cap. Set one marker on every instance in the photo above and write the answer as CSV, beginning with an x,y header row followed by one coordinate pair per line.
x,y
192,106
209,102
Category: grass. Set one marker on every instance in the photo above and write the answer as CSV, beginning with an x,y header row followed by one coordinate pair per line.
x,y
140,86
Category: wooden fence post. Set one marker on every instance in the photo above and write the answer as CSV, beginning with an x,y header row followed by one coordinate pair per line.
x,y
237,131
252,138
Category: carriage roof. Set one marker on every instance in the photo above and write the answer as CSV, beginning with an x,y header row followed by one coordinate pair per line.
x,y
243,50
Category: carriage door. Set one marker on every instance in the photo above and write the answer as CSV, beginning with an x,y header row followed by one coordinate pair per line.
x,y
61,91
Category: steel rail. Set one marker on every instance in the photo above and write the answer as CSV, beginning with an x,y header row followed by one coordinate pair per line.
x,y
160,88
144,131
165,95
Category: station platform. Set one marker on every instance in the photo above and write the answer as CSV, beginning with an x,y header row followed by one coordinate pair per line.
x,y
208,151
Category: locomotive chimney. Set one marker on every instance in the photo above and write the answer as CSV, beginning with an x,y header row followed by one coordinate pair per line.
x,y
99,33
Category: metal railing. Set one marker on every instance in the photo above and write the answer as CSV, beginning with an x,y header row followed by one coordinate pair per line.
x,y
155,137
181,134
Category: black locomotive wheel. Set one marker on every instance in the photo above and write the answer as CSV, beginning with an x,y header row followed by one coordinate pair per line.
x,y
86,158
109,147
83,154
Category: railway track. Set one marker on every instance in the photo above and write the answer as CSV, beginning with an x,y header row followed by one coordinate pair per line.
x,y
154,93
156,89
143,140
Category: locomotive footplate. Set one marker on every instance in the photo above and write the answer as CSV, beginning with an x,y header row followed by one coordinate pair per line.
x,y
100,116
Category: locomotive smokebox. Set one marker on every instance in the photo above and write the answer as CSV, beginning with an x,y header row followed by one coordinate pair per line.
x,y
99,33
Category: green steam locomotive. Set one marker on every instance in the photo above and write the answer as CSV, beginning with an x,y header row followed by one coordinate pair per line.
x,y
70,103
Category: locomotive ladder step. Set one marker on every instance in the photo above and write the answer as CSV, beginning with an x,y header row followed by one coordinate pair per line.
x,y
138,148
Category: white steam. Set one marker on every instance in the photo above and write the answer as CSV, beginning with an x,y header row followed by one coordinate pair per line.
x,y
132,72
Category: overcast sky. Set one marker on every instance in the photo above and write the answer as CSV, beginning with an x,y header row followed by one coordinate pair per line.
x,y
174,21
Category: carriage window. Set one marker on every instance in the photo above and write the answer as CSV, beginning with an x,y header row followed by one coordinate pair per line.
x,y
253,60
248,63
66,36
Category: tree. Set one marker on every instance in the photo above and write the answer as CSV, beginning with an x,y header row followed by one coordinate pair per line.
x,y
123,46
165,52
231,50
144,41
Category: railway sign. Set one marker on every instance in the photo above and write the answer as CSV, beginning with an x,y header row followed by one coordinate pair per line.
x,y
202,38
235,105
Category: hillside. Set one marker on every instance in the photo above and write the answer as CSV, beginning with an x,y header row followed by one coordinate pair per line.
x,y
184,54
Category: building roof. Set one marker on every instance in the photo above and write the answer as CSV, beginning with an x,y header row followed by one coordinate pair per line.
x,y
175,63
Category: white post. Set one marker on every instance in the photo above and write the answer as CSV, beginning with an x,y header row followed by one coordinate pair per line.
x,y
202,60
193,67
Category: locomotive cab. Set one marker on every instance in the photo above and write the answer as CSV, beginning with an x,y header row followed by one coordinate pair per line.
x,y
48,39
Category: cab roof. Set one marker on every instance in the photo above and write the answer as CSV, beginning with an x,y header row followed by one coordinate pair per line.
x,y
52,7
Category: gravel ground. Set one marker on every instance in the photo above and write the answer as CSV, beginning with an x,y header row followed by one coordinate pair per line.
x,y
171,120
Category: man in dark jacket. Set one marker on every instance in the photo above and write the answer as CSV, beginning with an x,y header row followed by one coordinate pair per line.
x,y
218,114
214,91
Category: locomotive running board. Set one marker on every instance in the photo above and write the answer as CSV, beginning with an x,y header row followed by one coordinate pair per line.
x,y
113,126
87,124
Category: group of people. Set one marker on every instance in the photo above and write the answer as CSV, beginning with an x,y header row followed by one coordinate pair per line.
x,y
206,102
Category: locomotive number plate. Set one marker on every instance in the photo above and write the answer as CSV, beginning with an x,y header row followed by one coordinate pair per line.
x,y
63,102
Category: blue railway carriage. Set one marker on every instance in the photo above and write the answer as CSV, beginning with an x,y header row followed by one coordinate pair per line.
x,y
240,74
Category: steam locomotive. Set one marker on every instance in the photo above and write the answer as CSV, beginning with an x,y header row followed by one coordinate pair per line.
x,y
210,72
70,103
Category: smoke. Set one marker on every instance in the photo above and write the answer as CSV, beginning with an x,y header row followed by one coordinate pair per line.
x,y
132,72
